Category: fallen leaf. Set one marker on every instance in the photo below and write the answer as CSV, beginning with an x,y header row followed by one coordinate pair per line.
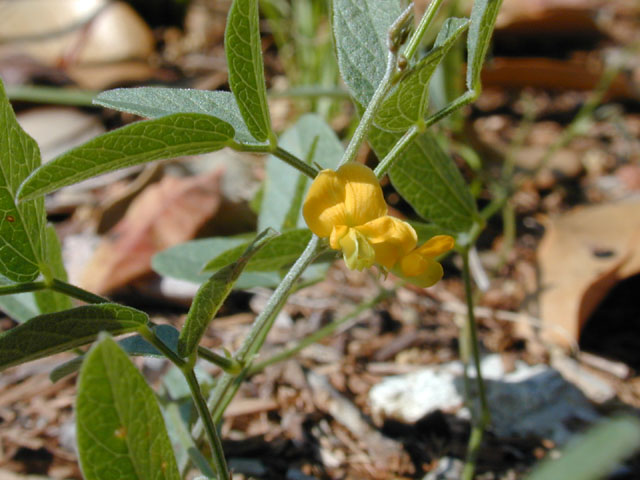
x,y
583,254
165,214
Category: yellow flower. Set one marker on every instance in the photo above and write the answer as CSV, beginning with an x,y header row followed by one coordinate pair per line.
x,y
347,206
420,267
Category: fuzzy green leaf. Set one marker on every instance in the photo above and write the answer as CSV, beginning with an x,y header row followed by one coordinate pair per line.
x,y
21,225
185,262
408,102
212,294
483,19
166,137
426,177
134,345
155,102
284,187
52,333
246,71
360,30
279,253
120,429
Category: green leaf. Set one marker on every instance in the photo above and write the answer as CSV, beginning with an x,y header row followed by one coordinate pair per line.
x,y
360,30
120,430
284,187
279,253
246,71
134,345
483,19
594,454
185,262
155,102
407,103
426,177
21,225
166,137
212,294
49,301
52,333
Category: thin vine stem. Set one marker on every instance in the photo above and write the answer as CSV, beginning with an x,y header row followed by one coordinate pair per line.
x,y
425,22
479,421
318,335
283,154
56,285
186,367
22,288
229,383
287,157
229,365
76,292
384,164
372,108
209,427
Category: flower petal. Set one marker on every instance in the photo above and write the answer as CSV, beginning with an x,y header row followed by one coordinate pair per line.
x,y
431,274
337,233
390,237
363,195
324,205
357,251
436,246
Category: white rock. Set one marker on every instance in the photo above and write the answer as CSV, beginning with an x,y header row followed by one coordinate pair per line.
x,y
531,400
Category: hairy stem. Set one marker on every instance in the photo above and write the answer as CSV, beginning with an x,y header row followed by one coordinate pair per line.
x,y
369,114
318,334
186,367
425,21
229,383
76,292
209,427
229,365
309,170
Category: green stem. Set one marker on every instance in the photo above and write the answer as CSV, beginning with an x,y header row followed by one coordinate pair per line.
x,y
229,365
186,367
22,288
209,427
263,322
76,292
425,21
54,95
229,384
289,158
374,104
465,99
473,449
318,335
479,422
384,164
284,155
